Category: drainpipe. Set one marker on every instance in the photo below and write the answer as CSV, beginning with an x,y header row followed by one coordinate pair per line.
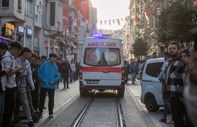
x,y
32,38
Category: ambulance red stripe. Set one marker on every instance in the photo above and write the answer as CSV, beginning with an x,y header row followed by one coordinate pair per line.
x,y
101,69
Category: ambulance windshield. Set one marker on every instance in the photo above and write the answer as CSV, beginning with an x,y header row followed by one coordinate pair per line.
x,y
102,57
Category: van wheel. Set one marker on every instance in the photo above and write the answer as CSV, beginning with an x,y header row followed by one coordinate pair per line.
x,y
83,92
151,103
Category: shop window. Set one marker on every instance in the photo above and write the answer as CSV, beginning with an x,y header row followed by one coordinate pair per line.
x,y
52,14
5,3
29,6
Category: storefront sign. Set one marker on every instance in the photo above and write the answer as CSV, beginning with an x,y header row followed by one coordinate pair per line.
x,y
29,31
20,29
9,29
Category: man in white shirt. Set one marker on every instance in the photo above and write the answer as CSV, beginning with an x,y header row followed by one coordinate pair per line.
x,y
11,88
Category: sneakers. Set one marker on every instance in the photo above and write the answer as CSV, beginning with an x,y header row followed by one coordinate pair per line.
x,y
31,124
171,121
163,120
50,116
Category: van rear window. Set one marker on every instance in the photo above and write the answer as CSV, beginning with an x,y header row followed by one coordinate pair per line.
x,y
153,69
103,57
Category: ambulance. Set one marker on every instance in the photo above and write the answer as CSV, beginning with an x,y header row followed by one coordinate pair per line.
x,y
102,65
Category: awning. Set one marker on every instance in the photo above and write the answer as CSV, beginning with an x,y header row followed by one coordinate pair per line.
x,y
73,46
65,43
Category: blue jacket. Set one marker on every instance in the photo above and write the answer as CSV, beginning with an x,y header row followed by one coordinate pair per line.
x,y
133,68
48,72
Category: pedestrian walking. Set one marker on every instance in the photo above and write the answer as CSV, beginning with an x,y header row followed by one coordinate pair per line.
x,y
174,84
73,68
11,87
66,69
49,76
3,49
133,70
24,76
59,66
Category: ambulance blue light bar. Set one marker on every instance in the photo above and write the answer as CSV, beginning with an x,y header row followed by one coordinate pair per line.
x,y
98,35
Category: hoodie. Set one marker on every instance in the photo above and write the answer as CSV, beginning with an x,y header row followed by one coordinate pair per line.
x,y
48,72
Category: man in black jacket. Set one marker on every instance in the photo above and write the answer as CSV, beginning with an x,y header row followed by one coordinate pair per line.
x,y
3,49
65,72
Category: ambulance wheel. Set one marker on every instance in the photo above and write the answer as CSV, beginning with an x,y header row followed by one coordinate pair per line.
x,y
83,92
121,92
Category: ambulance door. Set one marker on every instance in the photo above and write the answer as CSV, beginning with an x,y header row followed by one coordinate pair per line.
x,y
91,72
110,69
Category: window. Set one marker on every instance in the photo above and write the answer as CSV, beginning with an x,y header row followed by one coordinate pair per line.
x,y
52,14
153,69
5,3
29,6
102,57
19,4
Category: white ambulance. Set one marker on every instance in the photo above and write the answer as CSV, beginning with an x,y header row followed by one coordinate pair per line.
x,y
102,65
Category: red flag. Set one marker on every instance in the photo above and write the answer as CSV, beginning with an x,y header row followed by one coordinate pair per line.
x,y
83,7
67,22
78,22
148,12
126,19
65,13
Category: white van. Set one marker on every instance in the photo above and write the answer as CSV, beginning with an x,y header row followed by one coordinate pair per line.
x,y
102,65
151,90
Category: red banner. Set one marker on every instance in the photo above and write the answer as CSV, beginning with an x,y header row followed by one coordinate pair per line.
x,y
148,12
66,13
83,7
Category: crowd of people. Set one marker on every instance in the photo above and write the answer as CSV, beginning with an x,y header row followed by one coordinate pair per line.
x,y
135,68
178,78
26,79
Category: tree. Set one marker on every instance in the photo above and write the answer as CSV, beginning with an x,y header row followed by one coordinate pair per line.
x,y
176,21
140,47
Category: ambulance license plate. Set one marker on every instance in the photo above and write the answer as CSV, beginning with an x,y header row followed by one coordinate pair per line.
x,y
92,81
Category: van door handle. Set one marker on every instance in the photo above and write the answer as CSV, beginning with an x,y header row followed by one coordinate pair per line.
x,y
105,71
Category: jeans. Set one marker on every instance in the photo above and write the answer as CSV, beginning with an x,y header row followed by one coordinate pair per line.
x,y
166,108
133,74
2,98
